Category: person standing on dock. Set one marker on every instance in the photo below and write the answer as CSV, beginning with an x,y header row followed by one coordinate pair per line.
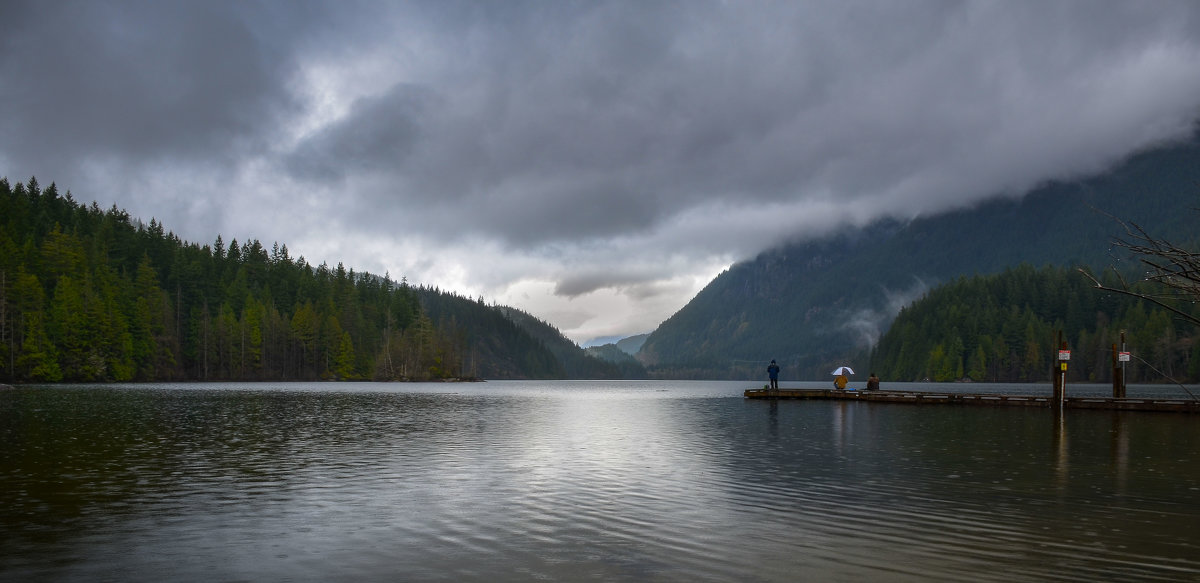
x,y
773,374
872,382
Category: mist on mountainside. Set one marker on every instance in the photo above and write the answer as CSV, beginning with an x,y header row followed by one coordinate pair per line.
x,y
815,304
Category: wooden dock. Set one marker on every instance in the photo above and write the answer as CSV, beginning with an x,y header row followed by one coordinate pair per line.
x,y
992,400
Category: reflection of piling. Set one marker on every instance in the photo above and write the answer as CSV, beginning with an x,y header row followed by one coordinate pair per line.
x,y
1061,465
1120,451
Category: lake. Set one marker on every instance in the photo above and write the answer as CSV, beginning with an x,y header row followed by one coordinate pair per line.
x,y
584,481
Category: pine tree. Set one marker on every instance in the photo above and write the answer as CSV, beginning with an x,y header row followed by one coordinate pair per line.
x,y
343,363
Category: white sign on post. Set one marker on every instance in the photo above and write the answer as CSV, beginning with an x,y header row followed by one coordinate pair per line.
x,y
1064,355
1123,356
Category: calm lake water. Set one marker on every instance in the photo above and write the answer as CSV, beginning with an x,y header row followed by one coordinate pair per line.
x,y
584,481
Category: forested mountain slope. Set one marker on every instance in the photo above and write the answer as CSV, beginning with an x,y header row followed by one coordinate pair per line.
x,y
93,295
823,303
494,346
577,362
628,365
1004,328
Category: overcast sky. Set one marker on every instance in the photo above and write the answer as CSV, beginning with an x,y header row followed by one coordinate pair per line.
x,y
594,163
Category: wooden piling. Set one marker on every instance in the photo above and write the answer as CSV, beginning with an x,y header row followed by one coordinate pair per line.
x,y
1118,361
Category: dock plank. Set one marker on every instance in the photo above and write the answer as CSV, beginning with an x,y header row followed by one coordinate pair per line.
x,y
916,397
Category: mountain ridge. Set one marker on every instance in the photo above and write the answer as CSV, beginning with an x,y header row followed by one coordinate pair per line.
x,y
814,304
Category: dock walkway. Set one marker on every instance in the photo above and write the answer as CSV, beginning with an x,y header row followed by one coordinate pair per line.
x,y
1043,401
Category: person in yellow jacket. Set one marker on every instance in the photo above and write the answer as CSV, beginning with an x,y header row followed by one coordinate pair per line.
x,y
840,382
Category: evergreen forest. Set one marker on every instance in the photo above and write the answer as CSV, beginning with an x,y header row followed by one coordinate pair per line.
x,y
93,295
1005,328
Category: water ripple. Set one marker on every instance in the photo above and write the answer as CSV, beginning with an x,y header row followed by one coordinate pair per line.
x,y
653,482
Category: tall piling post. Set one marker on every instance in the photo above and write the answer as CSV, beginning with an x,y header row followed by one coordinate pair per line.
x,y
1060,376
1119,372
1116,372
1056,380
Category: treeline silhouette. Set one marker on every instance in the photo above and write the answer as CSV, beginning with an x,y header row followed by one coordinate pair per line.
x,y
90,295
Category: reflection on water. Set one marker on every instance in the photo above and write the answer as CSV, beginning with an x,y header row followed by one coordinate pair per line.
x,y
662,481
1061,461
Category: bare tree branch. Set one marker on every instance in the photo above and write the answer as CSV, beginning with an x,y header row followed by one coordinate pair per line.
x,y
1175,269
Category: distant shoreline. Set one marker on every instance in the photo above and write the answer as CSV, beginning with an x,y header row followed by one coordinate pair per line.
x,y
193,381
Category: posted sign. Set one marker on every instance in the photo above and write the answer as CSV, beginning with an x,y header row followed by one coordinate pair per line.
x,y
1064,355
1123,356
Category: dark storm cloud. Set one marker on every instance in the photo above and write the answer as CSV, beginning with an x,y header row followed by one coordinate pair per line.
x,y
557,122
626,146
127,82
380,137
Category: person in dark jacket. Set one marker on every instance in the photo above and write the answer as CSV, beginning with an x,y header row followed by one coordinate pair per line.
x,y
872,382
773,373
